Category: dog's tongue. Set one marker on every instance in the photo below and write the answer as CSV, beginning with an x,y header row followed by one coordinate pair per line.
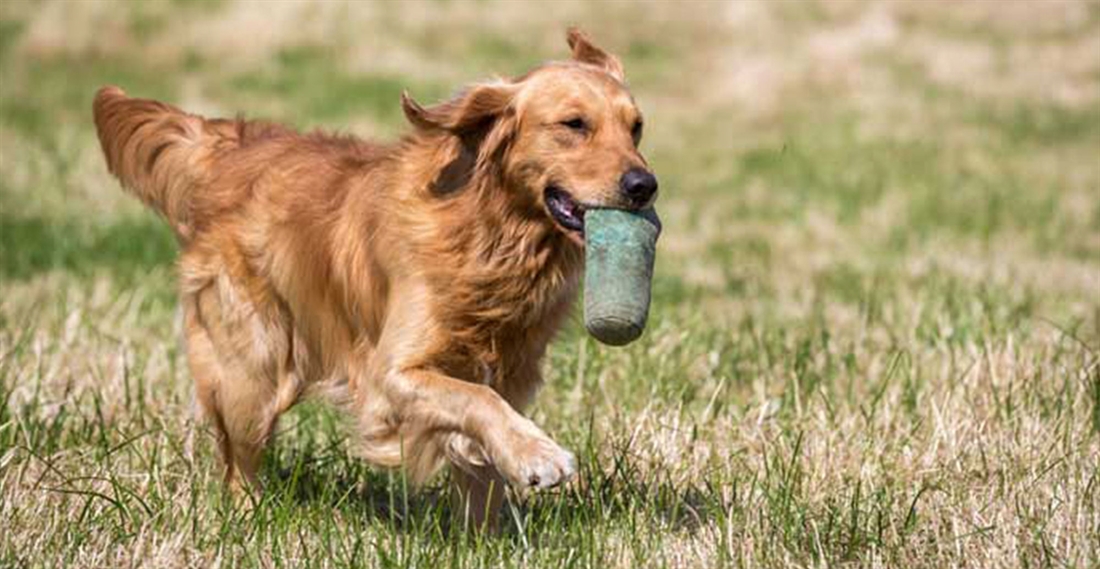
x,y
620,247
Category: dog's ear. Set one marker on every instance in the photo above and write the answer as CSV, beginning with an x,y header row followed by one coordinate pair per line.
x,y
471,111
585,51
483,117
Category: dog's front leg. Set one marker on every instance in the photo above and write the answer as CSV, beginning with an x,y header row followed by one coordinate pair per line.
x,y
478,492
423,401
413,415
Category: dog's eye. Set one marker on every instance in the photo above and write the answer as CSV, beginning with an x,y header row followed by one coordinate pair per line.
x,y
636,131
576,124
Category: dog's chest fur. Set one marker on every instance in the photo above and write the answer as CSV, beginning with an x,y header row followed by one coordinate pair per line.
x,y
505,297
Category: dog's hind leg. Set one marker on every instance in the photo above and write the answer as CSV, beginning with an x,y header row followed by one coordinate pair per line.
x,y
242,387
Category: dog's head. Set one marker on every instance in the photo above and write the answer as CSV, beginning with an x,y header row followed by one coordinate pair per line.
x,y
564,136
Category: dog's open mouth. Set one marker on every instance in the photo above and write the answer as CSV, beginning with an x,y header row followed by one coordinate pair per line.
x,y
568,212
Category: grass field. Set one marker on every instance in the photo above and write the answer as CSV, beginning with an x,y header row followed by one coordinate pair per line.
x,y
875,336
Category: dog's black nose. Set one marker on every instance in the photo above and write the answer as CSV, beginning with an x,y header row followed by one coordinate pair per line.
x,y
638,185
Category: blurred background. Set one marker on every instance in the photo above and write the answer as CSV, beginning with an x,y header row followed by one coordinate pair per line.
x,y
812,140
881,258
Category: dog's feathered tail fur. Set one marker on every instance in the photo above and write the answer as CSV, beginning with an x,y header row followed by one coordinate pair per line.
x,y
160,153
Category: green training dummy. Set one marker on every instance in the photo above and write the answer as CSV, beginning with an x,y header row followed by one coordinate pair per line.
x,y
619,250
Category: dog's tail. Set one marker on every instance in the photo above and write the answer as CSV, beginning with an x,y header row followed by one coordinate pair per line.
x,y
160,153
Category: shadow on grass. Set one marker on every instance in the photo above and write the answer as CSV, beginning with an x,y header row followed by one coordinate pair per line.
x,y
32,245
608,492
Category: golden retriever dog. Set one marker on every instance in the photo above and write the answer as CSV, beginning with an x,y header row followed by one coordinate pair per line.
x,y
420,281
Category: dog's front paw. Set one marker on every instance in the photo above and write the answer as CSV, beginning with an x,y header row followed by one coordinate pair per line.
x,y
549,466
537,462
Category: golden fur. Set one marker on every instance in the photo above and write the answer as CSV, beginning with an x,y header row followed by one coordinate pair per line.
x,y
421,280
